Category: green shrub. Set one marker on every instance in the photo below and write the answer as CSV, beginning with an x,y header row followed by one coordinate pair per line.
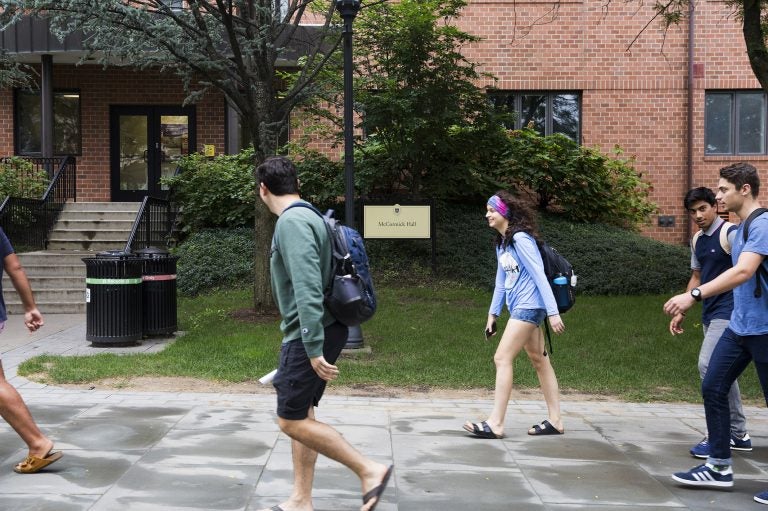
x,y
582,183
215,192
215,258
18,178
613,261
608,260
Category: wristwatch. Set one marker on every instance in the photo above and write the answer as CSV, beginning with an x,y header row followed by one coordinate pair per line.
x,y
696,294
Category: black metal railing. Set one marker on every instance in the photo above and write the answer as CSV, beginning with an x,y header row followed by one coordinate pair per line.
x,y
154,226
28,222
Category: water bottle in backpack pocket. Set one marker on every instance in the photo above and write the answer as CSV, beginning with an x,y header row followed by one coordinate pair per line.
x,y
560,288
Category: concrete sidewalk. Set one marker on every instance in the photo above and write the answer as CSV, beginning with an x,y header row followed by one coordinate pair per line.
x,y
185,451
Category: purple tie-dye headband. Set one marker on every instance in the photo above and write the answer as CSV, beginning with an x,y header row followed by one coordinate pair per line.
x,y
496,203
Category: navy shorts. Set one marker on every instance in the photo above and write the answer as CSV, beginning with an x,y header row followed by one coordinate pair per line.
x,y
298,386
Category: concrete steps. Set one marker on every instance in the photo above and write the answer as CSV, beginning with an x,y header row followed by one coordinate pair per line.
x,y
57,275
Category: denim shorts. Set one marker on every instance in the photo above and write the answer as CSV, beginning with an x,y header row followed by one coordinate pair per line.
x,y
535,316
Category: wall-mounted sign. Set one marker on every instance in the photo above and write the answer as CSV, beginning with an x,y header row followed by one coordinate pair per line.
x,y
396,221
210,150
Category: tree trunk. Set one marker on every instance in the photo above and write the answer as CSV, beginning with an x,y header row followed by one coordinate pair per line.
x,y
262,290
263,230
755,40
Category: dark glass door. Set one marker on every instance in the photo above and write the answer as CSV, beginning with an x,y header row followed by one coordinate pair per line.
x,y
146,144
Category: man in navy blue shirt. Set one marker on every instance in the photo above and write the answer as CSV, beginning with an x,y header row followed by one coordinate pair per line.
x,y
12,407
711,256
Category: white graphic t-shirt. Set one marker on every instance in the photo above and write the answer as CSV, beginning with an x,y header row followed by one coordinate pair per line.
x,y
511,268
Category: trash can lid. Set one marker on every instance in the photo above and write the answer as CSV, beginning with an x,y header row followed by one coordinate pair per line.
x,y
152,252
114,254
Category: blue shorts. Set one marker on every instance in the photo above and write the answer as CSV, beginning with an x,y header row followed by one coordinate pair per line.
x,y
534,316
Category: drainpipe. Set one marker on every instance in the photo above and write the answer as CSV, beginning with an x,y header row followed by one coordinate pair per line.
x,y
46,107
689,170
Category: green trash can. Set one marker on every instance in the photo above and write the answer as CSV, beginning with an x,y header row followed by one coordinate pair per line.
x,y
113,299
158,291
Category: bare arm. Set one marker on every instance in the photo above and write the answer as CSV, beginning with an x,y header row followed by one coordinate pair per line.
x,y
32,317
745,267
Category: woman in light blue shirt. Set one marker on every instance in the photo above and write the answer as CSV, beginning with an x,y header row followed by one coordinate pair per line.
x,y
522,285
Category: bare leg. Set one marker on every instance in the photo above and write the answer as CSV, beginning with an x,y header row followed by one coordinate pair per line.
x,y
322,438
16,413
546,373
516,335
304,460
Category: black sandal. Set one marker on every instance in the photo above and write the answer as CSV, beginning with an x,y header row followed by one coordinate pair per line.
x,y
482,430
545,428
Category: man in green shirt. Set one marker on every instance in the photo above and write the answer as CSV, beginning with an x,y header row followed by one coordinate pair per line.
x,y
300,266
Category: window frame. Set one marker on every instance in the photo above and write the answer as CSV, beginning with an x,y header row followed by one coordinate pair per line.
x,y
548,117
735,118
16,122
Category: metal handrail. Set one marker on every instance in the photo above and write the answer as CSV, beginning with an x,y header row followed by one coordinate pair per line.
x,y
28,222
154,225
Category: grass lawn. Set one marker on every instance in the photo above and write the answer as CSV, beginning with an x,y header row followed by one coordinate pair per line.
x,y
430,336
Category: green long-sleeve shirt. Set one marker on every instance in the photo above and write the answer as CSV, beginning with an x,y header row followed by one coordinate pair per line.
x,y
300,266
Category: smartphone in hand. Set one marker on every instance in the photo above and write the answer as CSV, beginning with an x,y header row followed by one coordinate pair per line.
x,y
490,332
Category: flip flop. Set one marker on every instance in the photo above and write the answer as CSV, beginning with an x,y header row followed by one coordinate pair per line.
x,y
545,428
32,464
377,492
483,431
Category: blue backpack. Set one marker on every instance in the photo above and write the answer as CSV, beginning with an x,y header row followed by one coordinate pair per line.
x,y
350,296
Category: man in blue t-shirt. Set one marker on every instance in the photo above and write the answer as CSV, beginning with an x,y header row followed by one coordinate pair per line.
x,y
711,256
12,407
746,338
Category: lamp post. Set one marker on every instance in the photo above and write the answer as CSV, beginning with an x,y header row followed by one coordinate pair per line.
x,y
348,10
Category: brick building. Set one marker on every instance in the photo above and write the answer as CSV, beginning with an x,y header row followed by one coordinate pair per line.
x,y
570,67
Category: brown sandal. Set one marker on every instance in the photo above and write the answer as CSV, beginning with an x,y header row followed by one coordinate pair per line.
x,y
32,464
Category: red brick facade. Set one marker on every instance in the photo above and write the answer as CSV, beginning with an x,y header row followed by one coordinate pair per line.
x,y
634,97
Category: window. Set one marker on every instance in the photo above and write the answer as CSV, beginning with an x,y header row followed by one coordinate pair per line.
x,y
66,122
550,112
734,122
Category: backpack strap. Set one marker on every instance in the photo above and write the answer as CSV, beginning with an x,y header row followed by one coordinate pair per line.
x,y
549,337
724,231
695,239
761,272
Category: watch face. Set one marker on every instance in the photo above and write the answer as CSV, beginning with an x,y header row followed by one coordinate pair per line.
x,y
696,293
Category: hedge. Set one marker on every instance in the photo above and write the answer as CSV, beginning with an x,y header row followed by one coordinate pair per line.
x,y
608,260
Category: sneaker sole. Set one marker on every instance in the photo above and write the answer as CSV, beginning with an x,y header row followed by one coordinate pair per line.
x,y
700,456
761,501
717,484
743,449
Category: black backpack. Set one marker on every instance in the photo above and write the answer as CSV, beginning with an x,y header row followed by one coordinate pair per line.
x,y
761,272
350,296
555,265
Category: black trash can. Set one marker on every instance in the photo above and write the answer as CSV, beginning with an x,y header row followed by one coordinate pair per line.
x,y
113,299
159,291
